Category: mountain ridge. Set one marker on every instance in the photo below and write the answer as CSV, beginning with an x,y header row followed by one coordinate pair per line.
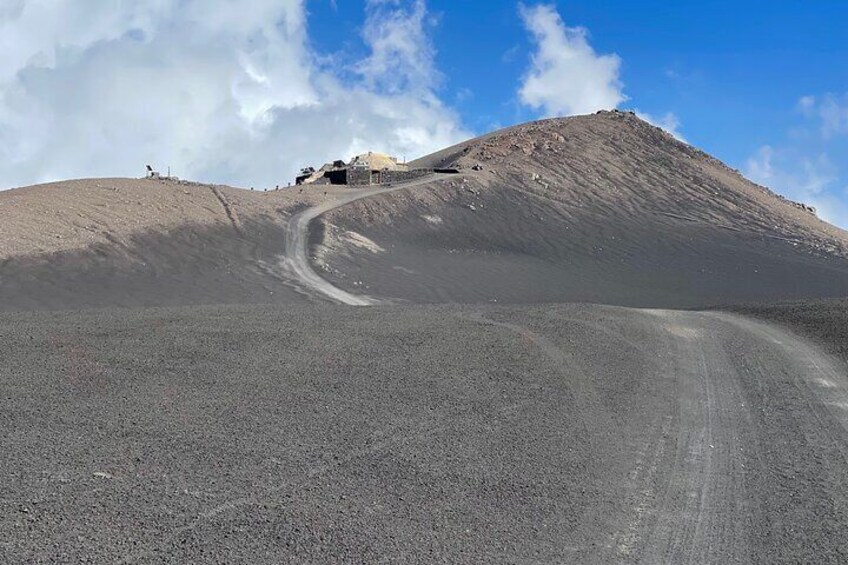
x,y
568,191
599,208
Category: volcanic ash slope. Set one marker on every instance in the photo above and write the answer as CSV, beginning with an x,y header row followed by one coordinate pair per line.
x,y
143,242
603,208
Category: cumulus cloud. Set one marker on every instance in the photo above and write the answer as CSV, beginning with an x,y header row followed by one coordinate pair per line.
x,y
401,52
567,76
218,92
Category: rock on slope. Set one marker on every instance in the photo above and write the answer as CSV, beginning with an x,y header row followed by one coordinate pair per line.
x,y
602,208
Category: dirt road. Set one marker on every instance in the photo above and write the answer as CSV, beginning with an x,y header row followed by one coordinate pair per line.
x,y
296,262
563,433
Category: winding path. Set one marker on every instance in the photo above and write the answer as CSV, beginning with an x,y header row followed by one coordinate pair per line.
x,y
296,260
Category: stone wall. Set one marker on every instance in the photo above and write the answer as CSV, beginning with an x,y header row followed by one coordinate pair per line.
x,y
358,177
401,176
364,177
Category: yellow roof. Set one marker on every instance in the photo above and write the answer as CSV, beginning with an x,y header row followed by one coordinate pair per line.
x,y
377,161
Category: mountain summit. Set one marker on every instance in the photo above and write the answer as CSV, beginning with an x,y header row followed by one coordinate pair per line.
x,y
602,208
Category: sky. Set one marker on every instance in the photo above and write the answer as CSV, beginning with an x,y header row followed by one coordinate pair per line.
x,y
247,93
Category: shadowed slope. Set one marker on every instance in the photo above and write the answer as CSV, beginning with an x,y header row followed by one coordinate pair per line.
x,y
131,242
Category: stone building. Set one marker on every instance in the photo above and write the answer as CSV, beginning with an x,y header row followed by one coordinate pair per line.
x,y
363,170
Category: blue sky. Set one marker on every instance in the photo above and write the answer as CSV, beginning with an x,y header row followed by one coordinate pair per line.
x,y
733,73
247,96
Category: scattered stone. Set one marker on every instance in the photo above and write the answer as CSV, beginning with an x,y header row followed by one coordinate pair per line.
x,y
432,219
103,475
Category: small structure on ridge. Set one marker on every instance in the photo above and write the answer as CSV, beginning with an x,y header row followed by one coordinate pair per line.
x,y
363,170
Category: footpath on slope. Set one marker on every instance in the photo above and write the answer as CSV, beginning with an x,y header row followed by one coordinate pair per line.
x,y
296,262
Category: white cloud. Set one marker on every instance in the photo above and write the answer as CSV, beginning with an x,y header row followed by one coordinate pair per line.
x,y
567,76
219,92
802,178
797,174
759,167
801,166
831,209
668,121
831,111
401,52
806,104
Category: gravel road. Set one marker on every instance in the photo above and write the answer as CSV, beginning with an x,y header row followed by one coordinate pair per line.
x,y
296,263
324,434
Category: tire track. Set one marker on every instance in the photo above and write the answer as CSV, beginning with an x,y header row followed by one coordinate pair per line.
x,y
231,213
697,517
587,400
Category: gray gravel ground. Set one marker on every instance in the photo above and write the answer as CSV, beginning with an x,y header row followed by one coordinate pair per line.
x,y
824,321
274,434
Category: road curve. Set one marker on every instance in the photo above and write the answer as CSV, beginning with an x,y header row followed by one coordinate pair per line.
x,y
750,465
760,461
295,262
458,434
